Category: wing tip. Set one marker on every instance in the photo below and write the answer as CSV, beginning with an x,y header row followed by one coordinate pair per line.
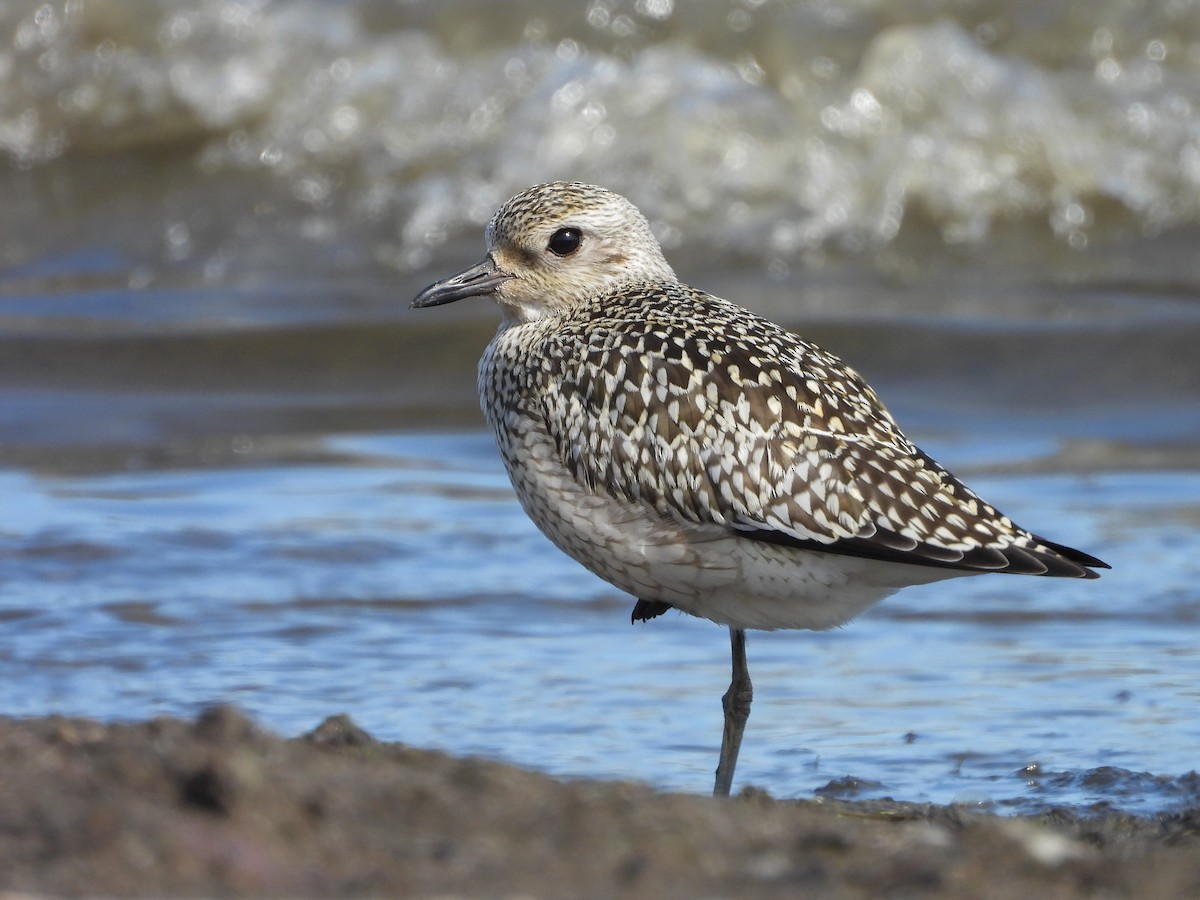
x,y
1069,562
1042,557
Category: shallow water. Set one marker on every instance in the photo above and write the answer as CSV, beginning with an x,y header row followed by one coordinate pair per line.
x,y
397,579
235,467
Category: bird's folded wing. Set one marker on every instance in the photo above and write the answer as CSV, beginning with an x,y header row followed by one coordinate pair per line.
x,y
796,451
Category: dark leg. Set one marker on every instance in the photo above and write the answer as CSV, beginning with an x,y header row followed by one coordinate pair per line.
x,y
645,610
736,704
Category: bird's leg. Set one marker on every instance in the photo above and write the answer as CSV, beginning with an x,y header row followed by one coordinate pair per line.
x,y
736,704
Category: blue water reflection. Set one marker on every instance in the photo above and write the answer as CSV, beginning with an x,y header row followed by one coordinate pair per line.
x,y
397,580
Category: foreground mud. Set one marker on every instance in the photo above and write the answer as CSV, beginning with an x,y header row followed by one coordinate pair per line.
x,y
220,807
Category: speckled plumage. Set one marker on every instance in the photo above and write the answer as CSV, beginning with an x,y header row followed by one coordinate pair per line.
x,y
698,455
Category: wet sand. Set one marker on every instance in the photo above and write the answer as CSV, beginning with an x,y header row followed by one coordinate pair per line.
x,y
220,807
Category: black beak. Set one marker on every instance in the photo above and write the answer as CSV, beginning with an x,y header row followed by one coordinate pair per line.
x,y
478,281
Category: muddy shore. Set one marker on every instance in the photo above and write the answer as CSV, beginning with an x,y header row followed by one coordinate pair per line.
x,y
221,807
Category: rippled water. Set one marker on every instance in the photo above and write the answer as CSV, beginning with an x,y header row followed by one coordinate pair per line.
x,y
234,467
397,579
216,137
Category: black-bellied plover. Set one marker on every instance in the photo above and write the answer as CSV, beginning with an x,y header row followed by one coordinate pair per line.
x,y
699,456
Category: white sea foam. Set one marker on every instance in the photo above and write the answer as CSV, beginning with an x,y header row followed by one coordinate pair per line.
x,y
768,130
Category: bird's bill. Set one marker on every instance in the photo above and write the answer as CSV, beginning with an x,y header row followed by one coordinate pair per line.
x,y
480,280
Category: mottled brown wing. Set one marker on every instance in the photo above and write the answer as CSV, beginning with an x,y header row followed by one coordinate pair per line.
x,y
748,427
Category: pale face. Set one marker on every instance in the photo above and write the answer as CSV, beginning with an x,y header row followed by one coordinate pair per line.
x,y
555,245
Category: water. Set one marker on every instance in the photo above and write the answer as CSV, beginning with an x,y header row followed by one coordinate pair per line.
x,y
235,467
218,136
399,580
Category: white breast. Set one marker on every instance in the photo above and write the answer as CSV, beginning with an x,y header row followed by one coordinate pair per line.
x,y
705,570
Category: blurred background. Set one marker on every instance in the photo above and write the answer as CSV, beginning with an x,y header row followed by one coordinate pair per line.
x,y
235,466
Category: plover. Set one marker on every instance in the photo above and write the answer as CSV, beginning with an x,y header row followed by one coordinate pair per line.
x,y
699,456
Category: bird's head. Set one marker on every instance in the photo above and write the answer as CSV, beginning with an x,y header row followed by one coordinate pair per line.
x,y
552,246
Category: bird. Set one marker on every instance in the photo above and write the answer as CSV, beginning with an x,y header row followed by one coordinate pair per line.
x,y
699,456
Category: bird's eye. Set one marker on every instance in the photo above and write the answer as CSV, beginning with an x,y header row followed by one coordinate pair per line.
x,y
565,241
